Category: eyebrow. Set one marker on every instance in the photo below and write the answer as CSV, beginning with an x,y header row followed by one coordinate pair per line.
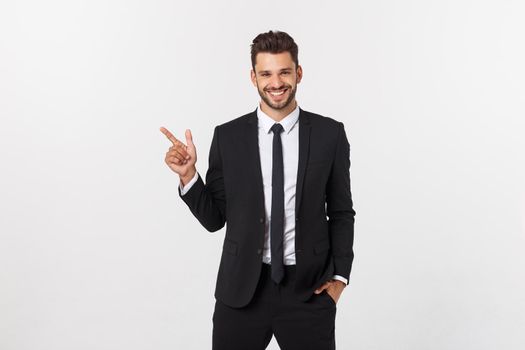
x,y
281,70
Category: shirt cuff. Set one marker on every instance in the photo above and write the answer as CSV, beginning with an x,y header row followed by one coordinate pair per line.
x,y
340,278
185,189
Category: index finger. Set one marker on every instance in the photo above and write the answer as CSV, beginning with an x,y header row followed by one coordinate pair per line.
x,y
169,135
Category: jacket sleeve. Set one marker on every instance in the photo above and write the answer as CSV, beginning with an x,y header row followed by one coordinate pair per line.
x,y
207,202
339,207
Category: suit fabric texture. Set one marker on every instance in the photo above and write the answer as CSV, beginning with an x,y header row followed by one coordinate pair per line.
x,y
233,196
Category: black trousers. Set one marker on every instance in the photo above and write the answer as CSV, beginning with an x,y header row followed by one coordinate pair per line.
x,y
274,310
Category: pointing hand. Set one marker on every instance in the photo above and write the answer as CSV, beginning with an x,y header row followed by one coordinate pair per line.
x,y
181,158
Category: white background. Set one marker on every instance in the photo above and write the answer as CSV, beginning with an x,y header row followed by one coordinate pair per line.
x,y
97,251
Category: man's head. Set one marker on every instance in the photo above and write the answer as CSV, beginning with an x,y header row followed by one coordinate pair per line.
x,y
275,69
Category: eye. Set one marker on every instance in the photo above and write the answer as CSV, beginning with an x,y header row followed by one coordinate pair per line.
x,y
286,73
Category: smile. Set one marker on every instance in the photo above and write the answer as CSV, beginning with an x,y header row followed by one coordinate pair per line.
x,y
277,93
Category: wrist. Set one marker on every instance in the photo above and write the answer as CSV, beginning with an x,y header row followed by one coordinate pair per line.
x,y
339,283
184,179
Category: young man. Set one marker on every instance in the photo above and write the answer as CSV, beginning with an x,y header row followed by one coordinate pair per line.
x,y
274,177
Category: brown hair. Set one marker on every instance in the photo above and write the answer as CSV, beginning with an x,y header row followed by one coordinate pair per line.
x,y
274,42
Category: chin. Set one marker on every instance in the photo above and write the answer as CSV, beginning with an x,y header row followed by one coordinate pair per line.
x,y
278,106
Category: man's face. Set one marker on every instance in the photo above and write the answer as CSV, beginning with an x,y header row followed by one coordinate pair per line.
x,y
276,78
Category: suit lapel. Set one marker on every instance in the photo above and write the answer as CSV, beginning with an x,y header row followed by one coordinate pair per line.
x,y
253,161
304,148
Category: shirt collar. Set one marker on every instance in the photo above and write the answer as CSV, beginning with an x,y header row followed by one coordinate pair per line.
x,y
266,122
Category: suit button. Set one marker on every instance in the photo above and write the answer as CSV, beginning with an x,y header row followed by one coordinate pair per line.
x,y
259,251
298,251
261,220
296,219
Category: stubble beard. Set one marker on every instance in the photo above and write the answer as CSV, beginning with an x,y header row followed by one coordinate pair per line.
x,y
283,104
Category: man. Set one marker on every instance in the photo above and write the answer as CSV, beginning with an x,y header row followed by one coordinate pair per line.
x,y
274,177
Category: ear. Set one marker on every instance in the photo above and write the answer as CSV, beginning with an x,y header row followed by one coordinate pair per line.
x,y
252,76
299,73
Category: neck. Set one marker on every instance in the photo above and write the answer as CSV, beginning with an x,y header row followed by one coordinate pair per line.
x,y
278,114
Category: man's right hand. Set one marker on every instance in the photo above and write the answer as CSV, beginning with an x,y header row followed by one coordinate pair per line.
x,y
181,158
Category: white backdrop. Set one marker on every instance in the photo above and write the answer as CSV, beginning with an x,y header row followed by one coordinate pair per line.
x,y
97,251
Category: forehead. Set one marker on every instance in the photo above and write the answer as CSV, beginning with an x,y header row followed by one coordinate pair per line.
x,y
273,61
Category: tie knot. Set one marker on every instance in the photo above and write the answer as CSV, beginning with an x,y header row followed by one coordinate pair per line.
x,y
277,128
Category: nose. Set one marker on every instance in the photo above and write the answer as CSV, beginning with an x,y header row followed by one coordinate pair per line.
x,y
276,82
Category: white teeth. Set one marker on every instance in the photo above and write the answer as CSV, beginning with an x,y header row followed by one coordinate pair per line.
x,y
277,93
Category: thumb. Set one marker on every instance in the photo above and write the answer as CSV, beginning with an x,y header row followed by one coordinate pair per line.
x,y
189,139
320,289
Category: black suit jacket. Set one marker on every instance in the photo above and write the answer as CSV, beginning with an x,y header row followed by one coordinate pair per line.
x,y
233,195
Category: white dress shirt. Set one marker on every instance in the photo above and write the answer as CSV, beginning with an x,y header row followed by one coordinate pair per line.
x,y
290,142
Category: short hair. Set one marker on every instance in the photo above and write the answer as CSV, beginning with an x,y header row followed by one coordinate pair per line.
x,y
274,42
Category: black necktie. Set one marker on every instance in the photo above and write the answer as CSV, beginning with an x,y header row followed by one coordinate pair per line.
x,y
277,215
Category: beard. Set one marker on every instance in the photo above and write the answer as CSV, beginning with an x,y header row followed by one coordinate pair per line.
x,y
282,104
